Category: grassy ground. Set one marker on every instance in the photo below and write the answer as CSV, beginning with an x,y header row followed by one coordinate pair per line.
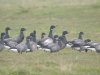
x,y
71,15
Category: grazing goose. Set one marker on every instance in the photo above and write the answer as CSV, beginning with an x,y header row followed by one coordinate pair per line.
x,y
23,47
91,45
49,39
7,33
2,41
59,44
16,40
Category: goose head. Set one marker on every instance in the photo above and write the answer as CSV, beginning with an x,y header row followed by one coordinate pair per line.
x,y
64,32
34,31
81,33
7,28
43,34
23,29
88,42
52,27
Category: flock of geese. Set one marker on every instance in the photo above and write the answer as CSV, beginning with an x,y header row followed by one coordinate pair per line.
x,y
51,43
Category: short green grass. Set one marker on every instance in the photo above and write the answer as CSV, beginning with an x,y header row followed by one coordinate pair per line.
x,y
71,15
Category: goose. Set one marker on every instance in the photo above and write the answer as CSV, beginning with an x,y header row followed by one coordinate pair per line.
x,y
20,37
78,42
2,41
32,44
59,44
49,39
23,47
55,46
91,45
7,33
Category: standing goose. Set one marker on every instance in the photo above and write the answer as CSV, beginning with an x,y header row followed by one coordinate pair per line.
x,y
78,42
2,41
49,39
20,37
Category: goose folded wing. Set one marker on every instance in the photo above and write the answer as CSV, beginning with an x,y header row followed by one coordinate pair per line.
x,y
12,44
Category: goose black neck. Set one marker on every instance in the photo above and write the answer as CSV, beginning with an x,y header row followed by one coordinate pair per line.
x,y
64,39
34,38
21,33
54,40
7,34
27,41
42,36
60,43
80,36
6,31
50,33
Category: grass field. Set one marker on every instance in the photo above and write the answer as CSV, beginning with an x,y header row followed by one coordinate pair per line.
x,y
71,15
